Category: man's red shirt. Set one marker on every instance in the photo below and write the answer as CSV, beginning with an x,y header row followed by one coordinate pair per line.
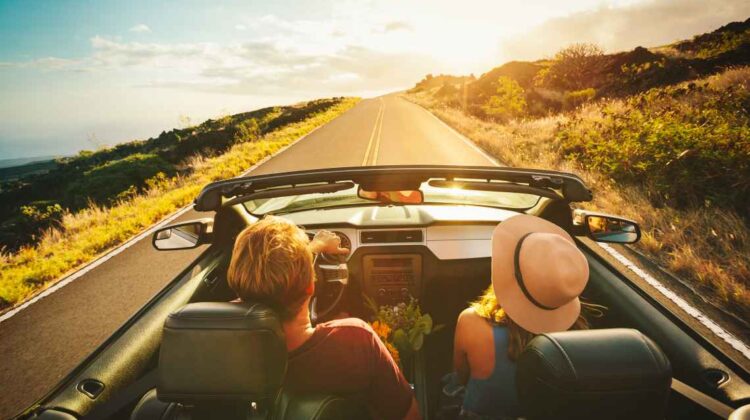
x,y
346,357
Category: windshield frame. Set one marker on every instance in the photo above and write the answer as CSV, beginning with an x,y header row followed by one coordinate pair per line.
x,y
569,186
350,198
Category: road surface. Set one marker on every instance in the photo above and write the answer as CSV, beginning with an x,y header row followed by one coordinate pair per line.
x,y
46,340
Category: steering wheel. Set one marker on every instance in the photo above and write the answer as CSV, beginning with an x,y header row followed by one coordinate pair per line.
x,y
331,279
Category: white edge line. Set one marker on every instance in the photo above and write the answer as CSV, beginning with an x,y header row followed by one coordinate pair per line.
x,y
130,242
689,309
466,140
680,302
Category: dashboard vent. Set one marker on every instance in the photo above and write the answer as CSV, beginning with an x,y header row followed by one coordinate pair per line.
x,y
390,236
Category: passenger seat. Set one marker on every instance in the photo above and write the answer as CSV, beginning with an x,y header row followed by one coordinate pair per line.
x,y
593,374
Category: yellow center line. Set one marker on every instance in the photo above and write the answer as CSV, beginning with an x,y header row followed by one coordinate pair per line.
x,y
374,131
380,132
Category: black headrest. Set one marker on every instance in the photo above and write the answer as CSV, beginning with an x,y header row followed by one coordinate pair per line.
x,y
614,374
221,351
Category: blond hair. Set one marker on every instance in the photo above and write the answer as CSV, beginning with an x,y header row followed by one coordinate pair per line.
x,y
272,263
488,308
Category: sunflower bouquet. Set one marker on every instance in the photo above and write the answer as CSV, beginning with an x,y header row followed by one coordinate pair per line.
x,y
401,327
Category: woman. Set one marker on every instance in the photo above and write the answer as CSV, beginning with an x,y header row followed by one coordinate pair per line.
x,y
538,274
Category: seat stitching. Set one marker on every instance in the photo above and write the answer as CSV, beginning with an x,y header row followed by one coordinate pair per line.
x,y
545,361
650,352
323,406
565,354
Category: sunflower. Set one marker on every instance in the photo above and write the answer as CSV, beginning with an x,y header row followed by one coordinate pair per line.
x,y
381,329
394,352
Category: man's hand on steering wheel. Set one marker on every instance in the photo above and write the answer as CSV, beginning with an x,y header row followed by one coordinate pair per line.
x,y
326,242
331,274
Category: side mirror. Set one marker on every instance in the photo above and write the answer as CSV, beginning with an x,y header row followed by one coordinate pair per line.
x,y
186,235
605,228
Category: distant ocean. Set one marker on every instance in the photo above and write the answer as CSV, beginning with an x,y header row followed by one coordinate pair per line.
x,y
9,163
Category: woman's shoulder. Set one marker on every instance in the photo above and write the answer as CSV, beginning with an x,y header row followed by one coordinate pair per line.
x,y
469,320
470,316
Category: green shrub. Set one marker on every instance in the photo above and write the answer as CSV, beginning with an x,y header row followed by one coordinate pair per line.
x,y
574,99
508,102
106,181
247,130
40,215
449,94
688,145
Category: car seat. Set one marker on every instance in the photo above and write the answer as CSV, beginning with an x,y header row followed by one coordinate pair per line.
x,y
593,374
222,360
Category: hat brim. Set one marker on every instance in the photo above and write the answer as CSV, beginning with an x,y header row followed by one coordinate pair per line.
x,y
507,291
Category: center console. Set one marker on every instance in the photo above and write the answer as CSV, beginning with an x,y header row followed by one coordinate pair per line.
x,y
392,278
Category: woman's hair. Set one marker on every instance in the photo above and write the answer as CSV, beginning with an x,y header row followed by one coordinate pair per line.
x,y
272,263
488,308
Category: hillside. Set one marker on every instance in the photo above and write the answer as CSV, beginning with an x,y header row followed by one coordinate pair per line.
x,y
31,203
97,200
581,73
662,135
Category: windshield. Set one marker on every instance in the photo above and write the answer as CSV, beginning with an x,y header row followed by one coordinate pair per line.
x,y
432,195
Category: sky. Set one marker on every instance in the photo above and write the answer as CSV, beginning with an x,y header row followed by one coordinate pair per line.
x,y
89,73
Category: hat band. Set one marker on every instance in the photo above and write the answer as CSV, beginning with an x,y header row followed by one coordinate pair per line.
x,y
519,276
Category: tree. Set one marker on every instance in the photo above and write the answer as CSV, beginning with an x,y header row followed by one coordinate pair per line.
x,y
574,67
185,121
39,215
509,100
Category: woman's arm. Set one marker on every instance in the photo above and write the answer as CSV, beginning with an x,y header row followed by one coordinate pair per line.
x,y
460,357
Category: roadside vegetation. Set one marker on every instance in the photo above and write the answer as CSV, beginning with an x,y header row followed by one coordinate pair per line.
x,y
29,204
667,144
120,191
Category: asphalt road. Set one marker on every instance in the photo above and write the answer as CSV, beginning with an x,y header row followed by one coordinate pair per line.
x,y
46,340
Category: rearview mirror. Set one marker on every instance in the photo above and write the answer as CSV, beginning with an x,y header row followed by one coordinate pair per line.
x,y
605,228
392,197
186,235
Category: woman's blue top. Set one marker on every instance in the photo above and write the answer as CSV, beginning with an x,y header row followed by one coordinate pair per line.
x,y
495,396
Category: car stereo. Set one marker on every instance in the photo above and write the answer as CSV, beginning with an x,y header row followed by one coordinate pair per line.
x,y
392,278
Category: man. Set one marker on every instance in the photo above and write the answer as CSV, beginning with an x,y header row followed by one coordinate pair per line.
x,y
272,262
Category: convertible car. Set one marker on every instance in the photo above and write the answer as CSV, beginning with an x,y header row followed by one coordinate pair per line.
x,y
415,232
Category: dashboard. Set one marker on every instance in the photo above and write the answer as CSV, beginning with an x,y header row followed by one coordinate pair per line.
x,y
389,245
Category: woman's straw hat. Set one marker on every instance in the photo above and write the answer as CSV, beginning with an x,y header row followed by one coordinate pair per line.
x,y
538,273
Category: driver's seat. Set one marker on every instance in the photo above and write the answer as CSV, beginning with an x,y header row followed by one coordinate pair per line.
x,y
228,360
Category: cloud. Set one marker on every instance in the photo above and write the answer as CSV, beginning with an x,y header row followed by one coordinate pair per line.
x,y
140,28
294,58
112,54
45,63
397,26
261,67
650,24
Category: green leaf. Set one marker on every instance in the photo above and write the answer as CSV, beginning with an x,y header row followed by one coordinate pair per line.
x,y
416,338
401,340
424,324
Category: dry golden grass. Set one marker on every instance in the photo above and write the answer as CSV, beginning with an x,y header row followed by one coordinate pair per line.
x,y
85,235
710,248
